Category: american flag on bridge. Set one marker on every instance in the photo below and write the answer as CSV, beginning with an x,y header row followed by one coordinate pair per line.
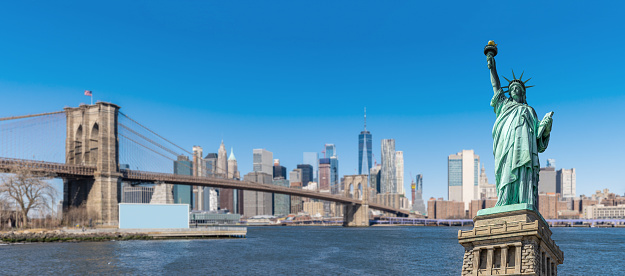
x,y
88,93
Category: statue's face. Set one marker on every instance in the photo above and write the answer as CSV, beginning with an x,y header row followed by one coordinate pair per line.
x,y
517,93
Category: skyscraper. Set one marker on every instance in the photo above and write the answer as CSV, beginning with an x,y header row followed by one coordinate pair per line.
x,y
364,149
463,176
211,163
233,167
375,177
307,175
229,198
281,203
263,161
312,158
183,194
324,174
399,165
278,171
566,180
257,203
334,164
222,161
388,173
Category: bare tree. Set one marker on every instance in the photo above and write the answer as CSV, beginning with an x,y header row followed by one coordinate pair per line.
x,y
28,190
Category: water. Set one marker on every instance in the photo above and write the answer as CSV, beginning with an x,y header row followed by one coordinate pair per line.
x,y
302,251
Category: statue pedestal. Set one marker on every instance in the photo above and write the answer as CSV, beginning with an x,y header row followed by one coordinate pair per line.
x,y
514,241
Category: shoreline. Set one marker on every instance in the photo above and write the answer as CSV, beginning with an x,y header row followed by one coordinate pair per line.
x,y
114,234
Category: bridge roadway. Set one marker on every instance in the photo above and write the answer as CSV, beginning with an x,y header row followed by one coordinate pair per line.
x,y
79,171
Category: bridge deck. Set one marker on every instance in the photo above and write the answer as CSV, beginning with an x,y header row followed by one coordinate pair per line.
x,y
78,171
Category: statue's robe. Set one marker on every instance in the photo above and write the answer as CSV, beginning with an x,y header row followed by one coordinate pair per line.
x,y
517,140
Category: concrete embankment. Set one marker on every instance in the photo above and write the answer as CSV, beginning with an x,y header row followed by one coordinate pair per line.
x,y
111,234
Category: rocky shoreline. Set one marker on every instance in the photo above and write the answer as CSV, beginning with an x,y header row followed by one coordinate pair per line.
x,y
67,236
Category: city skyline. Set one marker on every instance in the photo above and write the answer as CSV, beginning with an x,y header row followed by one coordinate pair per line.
x,y
354,70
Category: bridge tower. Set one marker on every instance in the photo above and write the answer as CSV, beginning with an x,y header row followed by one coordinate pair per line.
x,y
356,186
92,141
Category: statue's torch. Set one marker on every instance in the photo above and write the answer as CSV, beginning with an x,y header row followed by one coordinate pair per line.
x,y
490,48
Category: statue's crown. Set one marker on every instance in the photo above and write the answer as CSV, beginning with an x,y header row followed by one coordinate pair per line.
x,y
517,81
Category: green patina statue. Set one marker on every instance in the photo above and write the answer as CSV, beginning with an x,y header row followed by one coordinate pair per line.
x,y
518,137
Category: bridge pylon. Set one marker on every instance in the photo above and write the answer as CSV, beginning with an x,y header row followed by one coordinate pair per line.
x,y
92,141
356,215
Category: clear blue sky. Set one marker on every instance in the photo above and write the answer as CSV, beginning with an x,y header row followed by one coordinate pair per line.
x,y
290,76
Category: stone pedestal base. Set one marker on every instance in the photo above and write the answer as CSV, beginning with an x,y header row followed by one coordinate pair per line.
x,y
356,215
516,242
163,194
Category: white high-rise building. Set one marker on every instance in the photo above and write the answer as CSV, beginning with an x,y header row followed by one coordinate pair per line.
x,y
222,161
199,169
263,161
388,178
399,165
565,179
463,177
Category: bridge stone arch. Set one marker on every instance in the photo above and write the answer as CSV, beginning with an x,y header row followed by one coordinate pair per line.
x,y
93,144
356,214
92,141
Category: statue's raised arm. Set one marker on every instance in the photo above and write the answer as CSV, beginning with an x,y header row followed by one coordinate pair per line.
x,y
491,51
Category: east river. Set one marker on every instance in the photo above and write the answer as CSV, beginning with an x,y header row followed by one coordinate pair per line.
x,y
302,251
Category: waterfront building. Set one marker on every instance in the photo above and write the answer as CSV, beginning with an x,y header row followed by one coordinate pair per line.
x,y
306,173
463,177
418,205
375,177
399,166
365,152
547,181
549,205
388,172
314,208
312,158
566,180
334,172
213,218
278,171
257,203
137,193
183,194
330,150
479,204
263,161
324,174
486,190
601,211
281,203
445,209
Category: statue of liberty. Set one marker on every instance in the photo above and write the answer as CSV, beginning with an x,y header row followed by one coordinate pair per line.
x,y
518,137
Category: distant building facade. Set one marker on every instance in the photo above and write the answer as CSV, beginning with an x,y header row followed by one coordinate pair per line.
x,y
183,194
324,174
486,190
445,209
399,166
257,203
312,158
463,177
281,203
306,174
263,161
566,179
278,170
388,172
365,153
376,178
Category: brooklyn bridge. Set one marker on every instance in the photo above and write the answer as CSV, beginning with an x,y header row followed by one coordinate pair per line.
x,y
93,140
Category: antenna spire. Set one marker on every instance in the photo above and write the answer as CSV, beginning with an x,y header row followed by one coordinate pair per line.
x,y
365,118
